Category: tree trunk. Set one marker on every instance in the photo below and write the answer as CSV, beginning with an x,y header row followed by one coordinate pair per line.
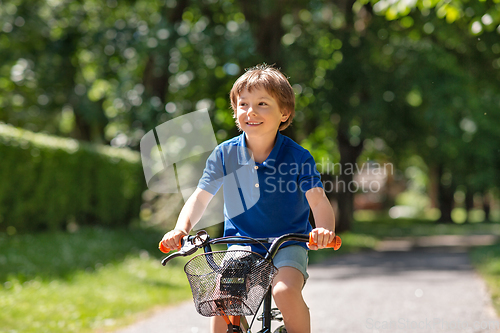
x,y
446,198
156,75
156,85
345,191
469,203
265,22
83,130
345,201
486,207
433,188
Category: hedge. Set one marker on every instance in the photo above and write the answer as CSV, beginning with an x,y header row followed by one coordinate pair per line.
x,y
48,182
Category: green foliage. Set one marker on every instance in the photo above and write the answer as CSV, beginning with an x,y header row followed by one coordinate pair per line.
x,y
50,182
97,70
397,79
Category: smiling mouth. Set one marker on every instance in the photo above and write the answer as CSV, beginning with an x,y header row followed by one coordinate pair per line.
x,y
253,123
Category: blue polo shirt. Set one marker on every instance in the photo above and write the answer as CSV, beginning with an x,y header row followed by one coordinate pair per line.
x,y
262,199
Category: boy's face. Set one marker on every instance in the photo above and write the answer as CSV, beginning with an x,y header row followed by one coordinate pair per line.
x,y
258,112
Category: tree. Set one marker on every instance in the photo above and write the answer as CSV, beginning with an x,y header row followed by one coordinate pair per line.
x,y
419,77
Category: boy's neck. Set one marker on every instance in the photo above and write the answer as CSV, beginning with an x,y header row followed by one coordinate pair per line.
x,y
260,146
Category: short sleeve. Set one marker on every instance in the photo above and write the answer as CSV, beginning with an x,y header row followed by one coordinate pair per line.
x,y
213,174
309,176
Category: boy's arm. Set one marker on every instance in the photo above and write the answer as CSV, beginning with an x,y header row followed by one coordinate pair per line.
x,y
323,217
191,213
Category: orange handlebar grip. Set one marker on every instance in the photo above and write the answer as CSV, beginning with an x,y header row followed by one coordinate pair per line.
x,y
335,244
165,249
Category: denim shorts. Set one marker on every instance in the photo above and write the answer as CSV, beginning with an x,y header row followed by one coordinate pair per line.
x,y
290,256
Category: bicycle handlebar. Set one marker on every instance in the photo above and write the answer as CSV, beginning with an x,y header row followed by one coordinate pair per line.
x,y
190,244
276,243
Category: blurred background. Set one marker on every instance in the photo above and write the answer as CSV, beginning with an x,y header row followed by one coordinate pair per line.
x,y
398,101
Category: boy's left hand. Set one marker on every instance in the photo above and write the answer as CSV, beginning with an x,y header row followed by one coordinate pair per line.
x,y
322,237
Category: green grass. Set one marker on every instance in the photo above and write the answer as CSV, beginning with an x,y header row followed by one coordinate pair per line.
x,y
486,259
92,279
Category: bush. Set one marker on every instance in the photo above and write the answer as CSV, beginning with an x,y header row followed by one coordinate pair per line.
x,y
49,182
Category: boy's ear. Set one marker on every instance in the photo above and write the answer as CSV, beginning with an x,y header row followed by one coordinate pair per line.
x,y
284,117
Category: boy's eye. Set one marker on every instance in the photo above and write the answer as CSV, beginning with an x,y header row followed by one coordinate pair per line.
x,y
262,103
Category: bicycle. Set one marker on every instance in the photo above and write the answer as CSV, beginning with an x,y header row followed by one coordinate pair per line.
x,y
234,283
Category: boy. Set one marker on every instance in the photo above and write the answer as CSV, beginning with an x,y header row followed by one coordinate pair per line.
x,y
287,184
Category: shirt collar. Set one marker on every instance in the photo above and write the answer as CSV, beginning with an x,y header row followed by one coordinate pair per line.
x,y
244,156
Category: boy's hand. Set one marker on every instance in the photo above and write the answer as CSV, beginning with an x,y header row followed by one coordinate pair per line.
x,y
172,239
322,237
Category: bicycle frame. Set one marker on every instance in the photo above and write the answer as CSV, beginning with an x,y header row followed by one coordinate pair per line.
x,y
266,313
266,316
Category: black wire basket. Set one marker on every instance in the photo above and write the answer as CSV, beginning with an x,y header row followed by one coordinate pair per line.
x,y
231,283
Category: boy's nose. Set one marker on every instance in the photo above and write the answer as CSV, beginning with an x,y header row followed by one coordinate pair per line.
x,y
251,111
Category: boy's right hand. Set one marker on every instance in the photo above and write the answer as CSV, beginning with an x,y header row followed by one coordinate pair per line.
x,y
172,239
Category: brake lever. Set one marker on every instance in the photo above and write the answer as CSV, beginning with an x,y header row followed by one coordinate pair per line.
x,y
186,250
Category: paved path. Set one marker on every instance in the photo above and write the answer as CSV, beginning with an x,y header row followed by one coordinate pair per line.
x,y
424,290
